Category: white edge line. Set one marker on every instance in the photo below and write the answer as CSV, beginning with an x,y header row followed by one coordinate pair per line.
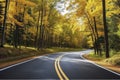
x,y
101,66
18,64
23,62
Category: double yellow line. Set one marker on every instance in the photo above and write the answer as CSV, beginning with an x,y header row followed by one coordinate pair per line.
x,y
59,71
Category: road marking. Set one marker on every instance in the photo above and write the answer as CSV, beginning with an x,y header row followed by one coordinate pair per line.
x,y
106,69
64,75
15,65
100,66
19,63
23,62
59,71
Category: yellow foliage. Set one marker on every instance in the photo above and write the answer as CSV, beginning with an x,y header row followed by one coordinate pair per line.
x,y
32,30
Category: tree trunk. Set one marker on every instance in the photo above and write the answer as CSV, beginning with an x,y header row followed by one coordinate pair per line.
x,y
96,33
41,27
16,37
25,28
37,30
4,24
105,29
93,33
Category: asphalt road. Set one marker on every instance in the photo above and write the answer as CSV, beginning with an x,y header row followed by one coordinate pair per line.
x,y
62,65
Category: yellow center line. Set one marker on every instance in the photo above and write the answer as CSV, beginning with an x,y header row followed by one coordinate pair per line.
x,y
59,70
64,75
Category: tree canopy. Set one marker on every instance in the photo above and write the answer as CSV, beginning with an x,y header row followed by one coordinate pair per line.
x,y
60,23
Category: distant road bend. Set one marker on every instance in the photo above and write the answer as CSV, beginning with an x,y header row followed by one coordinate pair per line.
x,y
62,65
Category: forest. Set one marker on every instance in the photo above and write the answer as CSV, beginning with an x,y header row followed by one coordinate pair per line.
x,y
91,24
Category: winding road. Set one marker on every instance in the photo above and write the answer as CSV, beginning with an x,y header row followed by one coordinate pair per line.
x,y
61,65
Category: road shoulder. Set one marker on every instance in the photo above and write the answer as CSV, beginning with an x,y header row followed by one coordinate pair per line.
x,y
103,64
6,64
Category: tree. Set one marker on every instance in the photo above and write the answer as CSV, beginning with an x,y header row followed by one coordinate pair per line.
x,y
105,29
4,24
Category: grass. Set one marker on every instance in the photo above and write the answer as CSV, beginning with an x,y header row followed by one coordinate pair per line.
x,y
114,59
95,57
112,63
10,55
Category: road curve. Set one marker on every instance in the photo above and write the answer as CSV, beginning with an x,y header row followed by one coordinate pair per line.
x,y
62,65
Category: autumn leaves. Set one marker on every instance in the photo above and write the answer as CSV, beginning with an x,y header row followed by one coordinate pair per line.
x,y
39,24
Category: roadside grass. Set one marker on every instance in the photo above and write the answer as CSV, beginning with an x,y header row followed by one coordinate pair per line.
x,y
114,60
95,57
112,63
10,55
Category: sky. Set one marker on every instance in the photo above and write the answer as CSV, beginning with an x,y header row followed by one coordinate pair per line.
x,y
61,7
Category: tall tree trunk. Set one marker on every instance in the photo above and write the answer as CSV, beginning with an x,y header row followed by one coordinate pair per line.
x,y
4,24
96,33
25,28
105,29
93,33
16,37
37,30
41,27
15,33
11,31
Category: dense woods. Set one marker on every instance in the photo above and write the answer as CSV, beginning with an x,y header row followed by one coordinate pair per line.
x,y
61,23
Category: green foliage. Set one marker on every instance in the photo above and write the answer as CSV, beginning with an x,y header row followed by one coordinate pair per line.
x,y
114,40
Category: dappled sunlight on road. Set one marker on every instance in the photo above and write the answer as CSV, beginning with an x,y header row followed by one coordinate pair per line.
x,y
74,60
74,57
